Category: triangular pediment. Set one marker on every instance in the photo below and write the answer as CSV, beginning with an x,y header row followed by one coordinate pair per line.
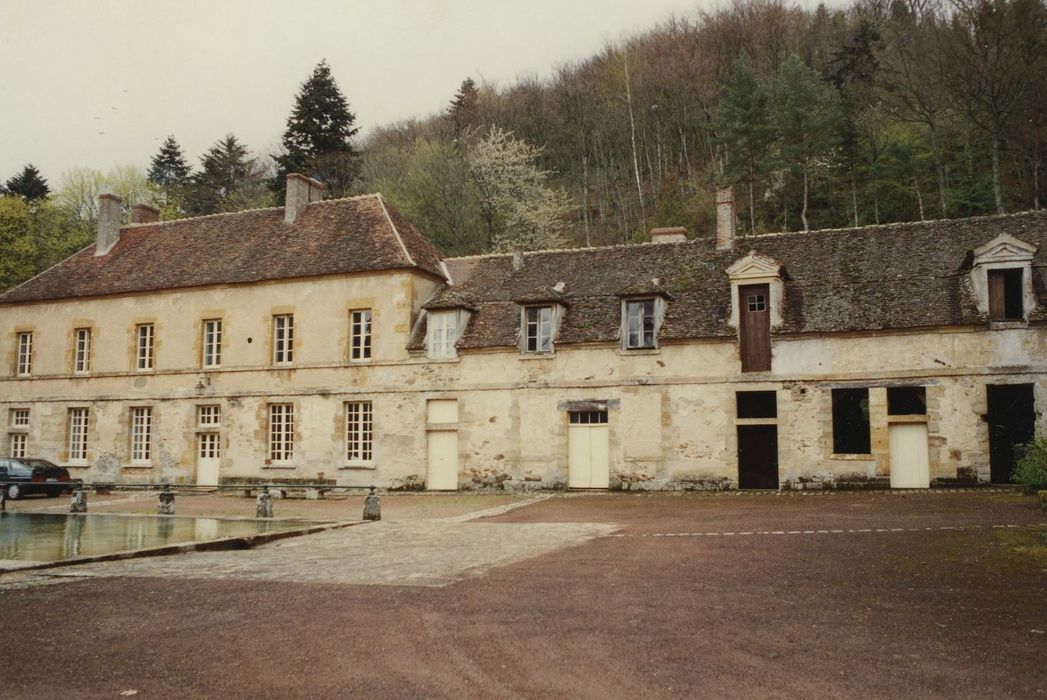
x,y
754,265
1004,248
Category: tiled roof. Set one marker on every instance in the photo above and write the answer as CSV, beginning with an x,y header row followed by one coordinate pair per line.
x,y
339,236
878,277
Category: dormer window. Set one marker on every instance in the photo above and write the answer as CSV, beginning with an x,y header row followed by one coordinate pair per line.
x,y
539,327
442,333
641,323
1006,292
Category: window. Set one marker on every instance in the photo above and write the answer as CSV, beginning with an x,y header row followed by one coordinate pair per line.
x,y
19,418
851,422
1006,294
141,434
756,302
359,431
78,418
17,445
82,359
212,343
209,416
25,354
209,446
538,329
587,417
360,334
906,401
281,432
144,359
443,332
756,404
283,339
639,324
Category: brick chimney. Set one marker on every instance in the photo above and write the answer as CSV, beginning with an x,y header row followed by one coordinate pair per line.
x,y
673,234
110,210
725,218
301,190
144,214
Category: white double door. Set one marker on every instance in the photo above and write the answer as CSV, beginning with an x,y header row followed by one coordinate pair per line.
x,y
588,465
208,457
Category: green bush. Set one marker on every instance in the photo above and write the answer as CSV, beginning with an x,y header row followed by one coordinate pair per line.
x,y
1032,468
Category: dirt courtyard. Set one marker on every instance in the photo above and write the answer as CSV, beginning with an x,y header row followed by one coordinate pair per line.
x,y
595,596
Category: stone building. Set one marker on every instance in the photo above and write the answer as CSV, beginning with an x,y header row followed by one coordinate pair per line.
x,y
330,337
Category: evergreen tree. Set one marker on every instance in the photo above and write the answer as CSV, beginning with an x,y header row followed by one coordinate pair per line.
x,y
464,110
168,167
318,140
28,184
229,180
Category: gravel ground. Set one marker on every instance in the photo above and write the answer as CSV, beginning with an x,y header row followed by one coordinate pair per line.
x,y
860,595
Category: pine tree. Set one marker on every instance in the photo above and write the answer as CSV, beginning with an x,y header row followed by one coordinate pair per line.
x,y
318,140
28,184
168,167
229,180
464,110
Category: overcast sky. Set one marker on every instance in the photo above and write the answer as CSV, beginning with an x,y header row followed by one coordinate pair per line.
x,y
101,83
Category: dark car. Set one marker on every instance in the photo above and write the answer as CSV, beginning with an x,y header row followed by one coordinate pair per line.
x,y
23,476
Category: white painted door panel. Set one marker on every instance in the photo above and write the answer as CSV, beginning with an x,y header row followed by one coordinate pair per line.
x,y
910,465
443,461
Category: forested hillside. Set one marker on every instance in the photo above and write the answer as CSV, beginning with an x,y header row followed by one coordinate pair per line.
x,y
879,112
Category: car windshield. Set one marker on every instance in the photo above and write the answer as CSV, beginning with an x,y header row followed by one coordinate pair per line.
x,y
38,463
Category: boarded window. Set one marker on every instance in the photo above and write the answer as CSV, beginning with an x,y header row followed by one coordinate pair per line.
x,y
851,422
906,401
1006,295
757,404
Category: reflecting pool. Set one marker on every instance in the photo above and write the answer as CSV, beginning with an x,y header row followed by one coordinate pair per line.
x,y
52,536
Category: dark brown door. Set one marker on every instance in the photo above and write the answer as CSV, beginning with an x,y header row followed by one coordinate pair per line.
x,y
754,303
1012,422
997,295
758,456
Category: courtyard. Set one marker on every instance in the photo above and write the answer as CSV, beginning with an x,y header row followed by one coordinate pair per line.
x,y
581,595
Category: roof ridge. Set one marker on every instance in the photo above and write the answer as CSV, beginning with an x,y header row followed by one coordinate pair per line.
x,y
396,232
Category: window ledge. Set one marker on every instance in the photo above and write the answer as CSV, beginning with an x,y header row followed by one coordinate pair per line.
x,y
1007,324
852,457
279,466
907,418
361,363
137,466
639,351
78,465
358,465
526,356
444,360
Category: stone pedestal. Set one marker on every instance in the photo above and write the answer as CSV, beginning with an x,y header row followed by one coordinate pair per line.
x,y
314,494
3,499
79,502
264,504
372,506
165,502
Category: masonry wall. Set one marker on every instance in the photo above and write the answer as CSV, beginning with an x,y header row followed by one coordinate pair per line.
x,y
671,411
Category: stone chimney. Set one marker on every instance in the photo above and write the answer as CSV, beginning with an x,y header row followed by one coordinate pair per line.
x,y
725,218
144,214
301,190
110,210
674,234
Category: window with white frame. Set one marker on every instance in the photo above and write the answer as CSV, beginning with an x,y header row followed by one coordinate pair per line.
x,y
283,339
442,333
144,358
19,418
212,342
141,434
17,445
78,419
360,334
82,357
24,366
209,416
281,432
640,323
538,329
359,432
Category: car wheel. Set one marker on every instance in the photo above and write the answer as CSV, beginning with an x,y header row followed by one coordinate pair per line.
x,y
14,492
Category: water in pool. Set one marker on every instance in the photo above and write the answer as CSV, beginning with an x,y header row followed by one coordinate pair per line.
x,y
51,537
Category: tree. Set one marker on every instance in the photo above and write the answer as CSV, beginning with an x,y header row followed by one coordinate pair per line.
x,y
28,184
168,167
521,211
318,140
743,128
229,180
806,118
78,190
464,110
34,237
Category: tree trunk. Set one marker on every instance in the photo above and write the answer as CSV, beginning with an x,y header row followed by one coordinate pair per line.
x,y
919,197
938,168
683,149
803,211
752,206
585,200
854,198
632,136
996,192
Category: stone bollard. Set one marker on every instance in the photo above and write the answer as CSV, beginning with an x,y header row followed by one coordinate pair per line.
x,y
312,494
79,503
165,501
372,505
3,498
264,504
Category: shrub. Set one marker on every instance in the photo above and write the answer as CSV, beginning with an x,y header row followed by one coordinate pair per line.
x,y
1032,468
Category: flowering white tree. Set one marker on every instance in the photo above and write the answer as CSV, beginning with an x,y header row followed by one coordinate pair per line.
x,y
521,211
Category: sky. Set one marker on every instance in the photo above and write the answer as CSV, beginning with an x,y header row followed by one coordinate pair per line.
x,y
102,83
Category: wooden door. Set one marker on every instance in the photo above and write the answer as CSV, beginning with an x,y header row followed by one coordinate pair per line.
x,y
758,456
588,438
754,304
208,458
1012,422
910,464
